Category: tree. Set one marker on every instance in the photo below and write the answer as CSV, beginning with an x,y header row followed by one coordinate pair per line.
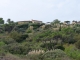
x,y
8,20
60,26
56,21
67,22
8,27
1,21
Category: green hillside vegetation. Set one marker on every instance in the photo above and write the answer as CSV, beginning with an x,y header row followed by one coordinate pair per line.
x,y
34,41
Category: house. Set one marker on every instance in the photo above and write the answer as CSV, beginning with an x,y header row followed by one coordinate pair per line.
x,y
29,21
74,22
24,22
66,22
36,21
48,23
78,22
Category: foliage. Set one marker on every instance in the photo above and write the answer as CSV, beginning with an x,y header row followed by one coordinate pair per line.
x,y
9,21
2,43
16,36
1,21
29,31
8,41
73,52
59,47
16,48
48,46
56,21
21,28
21,39
56,54
8,27
35,25
77,44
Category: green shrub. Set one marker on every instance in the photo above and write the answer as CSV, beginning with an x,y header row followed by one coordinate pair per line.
x,y
16,48
29,31
77,44
54,55
73,52
24,36
59,47
15,35
48,45
18,37
8,40
2,43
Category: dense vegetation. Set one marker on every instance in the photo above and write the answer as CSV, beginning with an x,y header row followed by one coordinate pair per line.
x,y
33,41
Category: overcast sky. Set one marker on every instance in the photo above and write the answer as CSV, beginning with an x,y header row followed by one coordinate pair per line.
x,y
44,10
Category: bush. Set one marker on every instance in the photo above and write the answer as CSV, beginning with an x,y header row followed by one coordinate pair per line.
x,y
24,36
56,54
59,47
8,40
29,31
16,48
2,43
73,52
48,45
51,55
77,44
15,35
18,37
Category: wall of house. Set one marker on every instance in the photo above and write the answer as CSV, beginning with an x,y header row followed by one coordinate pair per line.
x,y
24,22
37,22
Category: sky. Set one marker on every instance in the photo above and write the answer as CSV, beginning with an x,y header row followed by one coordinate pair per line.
x,y
44,10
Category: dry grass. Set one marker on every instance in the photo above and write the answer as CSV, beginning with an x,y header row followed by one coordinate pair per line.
x,y
36,52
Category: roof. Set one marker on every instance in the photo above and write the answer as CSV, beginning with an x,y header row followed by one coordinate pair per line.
x,y
66,21
74,21
36,20
24,21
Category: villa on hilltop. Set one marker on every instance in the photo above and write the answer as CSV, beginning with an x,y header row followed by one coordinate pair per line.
x,y
75,22
29,21
23,22
36,21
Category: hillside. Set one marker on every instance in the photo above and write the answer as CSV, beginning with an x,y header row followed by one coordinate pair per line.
x,y
40,41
